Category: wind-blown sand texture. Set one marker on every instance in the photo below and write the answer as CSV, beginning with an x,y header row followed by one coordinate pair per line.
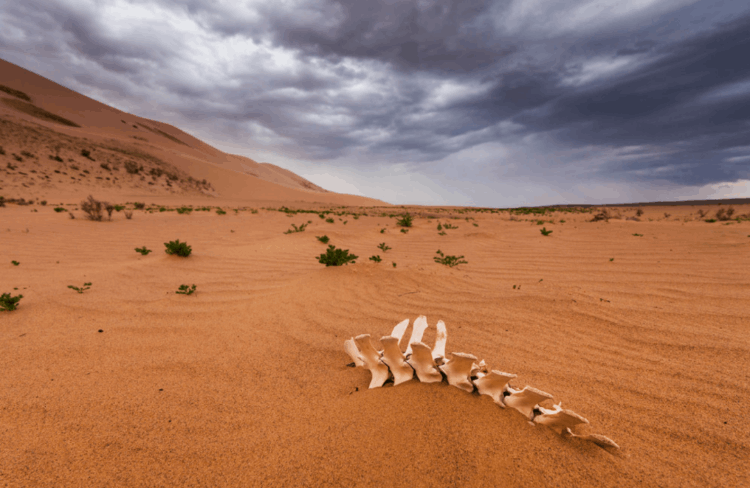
x,y
245,382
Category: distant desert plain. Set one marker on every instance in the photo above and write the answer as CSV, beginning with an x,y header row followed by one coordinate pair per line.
x,y
635,317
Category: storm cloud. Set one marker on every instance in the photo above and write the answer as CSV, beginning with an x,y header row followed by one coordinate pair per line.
x,y
513,102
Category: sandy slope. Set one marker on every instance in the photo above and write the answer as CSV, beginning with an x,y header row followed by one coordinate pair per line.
x,y
44,127
245,383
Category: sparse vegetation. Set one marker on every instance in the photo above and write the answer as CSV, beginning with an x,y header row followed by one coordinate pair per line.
x,y
449,261
109,207
545,232
93,208
128,214
220,212
105,166
336,257
394,264
324,239
710,221
724,214
637,235
15,263
376,258
639,212
139,205
86,154
404,231
178,248
602,215
382,231
406,220
59,209
295,229
86,286
383,247
184,210
132,167
186,290
143,250
449,226
9,303
329,220
15,93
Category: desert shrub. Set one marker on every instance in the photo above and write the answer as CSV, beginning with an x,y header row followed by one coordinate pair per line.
x,y
178,248
545,232
72,216
81,289
323,239
139,205
172,176
186,290
701,213
56,158
667,215
2,201
220,212
119,208
602,215
128,214
294,229
184,210
439,227
382,231
406,220
449,226
156,172
329,220
93,208
109,208
15,263
336,257
59,209
15,93
449,261
43,203
132,167
383,247
143,250
105,166
404,231
724,214
376,258
9,303
86,154
2,151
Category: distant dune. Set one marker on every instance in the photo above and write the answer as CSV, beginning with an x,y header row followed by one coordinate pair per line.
x,y
59,145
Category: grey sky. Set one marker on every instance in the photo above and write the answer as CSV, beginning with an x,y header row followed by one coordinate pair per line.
x,y
492,103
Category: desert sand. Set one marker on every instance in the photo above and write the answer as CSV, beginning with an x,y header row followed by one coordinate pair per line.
x,y
640,326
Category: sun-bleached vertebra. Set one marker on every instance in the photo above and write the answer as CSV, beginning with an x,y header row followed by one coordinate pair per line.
x,y
458,370
417,331
557,418
351,349
423,364
493,384
394,359
441,337
371,359
525,400
597,439
398,331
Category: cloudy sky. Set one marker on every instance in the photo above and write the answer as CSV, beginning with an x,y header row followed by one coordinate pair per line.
x,y
489,103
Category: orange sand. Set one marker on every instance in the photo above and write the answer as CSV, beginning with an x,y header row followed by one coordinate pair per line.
x,y
245,383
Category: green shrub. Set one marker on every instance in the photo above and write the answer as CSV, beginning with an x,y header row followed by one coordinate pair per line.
x,y
143,250
382,231
449,226
405,220
15,263
59,209
329,220
220,212
440,227
404,231
9,303
184,210
545,232
336,257
186,290
710,221
83,288
638,235
323,239
93,208
178,248
376,258
449,261
383,247
139,205
294,229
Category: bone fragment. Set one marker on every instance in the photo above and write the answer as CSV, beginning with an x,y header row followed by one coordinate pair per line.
x,y
351,349
477,368
525,400
371,360
558,419
493,384
398,331
597,439
394,359
458,370
417,331
438,352
422,362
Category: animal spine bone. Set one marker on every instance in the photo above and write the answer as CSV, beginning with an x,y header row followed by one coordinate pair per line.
x,y
493,385
394,359
422,362
525,400
351,349
371,359
417,330
458,371
438,352
558,419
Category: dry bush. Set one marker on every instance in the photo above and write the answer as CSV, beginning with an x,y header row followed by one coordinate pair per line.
x,y
724,214
109,207
128,214
639,212
701,213
602,215
93,208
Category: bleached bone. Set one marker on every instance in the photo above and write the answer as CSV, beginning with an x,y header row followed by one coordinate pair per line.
x,y
394,359
477,368
493,384
422,362
417,331
524,400
351,349
458,369
557,418
371,360
597,439
438,352
398,331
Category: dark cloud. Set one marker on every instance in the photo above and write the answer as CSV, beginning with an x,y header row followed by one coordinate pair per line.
x,y
609,91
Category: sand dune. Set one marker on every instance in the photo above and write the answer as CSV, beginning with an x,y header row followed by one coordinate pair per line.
x,y
45,127
245,382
